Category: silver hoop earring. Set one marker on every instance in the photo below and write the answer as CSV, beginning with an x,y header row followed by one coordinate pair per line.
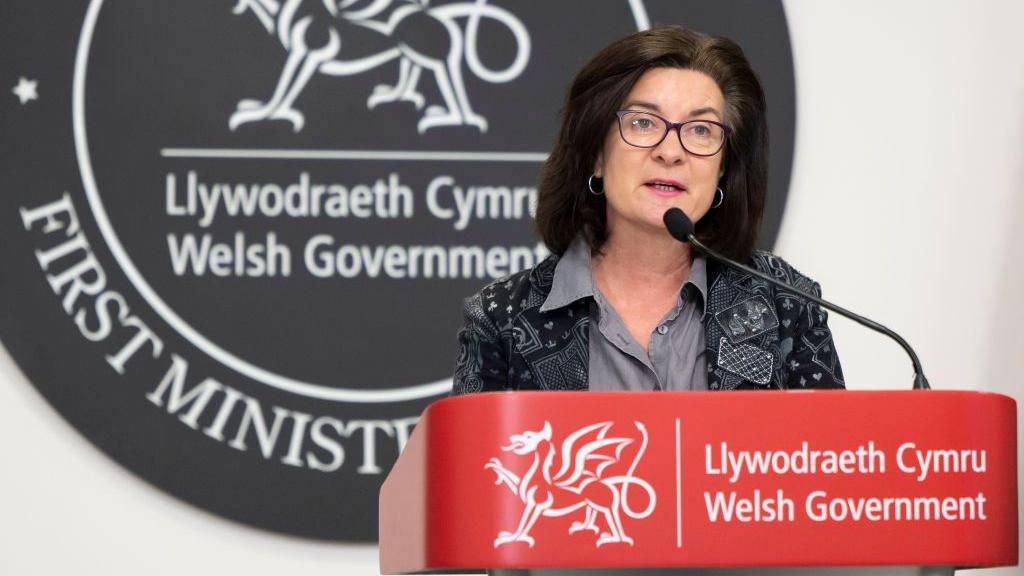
x,y
719,198
595,185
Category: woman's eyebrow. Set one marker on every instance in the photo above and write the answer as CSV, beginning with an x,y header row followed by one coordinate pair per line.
x,y
640,104
705,110
634,104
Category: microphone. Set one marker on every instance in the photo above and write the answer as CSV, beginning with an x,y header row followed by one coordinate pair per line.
x,y
681,228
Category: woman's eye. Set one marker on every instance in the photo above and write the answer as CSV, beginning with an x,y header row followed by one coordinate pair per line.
x,y
643,123
700,130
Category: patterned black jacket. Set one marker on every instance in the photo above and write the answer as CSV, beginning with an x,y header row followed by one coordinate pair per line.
x,y
758,337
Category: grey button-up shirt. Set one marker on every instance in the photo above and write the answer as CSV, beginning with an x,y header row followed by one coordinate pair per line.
x,y
675,354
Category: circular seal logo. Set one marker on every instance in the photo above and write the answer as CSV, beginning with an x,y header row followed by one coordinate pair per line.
x,y
239,232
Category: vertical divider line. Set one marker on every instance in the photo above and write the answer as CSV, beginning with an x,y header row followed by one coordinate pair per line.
x,y
679,490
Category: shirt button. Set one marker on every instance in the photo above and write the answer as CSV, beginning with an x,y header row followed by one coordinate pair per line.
x,y
663,329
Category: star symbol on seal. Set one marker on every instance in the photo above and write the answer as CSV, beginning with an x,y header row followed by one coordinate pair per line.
x,y
26,90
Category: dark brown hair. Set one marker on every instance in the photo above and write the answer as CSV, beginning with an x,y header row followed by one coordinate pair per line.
x,y
565,208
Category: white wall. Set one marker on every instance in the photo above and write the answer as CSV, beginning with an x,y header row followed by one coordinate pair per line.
x,y
905,196
906,199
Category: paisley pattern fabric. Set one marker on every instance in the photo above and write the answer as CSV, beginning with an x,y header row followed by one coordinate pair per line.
x,y
758,336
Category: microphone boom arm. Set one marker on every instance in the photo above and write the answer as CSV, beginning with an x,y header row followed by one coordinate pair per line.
x,y
920,381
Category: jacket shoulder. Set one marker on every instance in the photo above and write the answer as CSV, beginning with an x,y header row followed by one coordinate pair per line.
x,y
776,267
538,278
507,296
507,344
806,345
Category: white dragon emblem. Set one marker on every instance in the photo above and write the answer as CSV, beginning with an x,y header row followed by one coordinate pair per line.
x,y
559,482
312,33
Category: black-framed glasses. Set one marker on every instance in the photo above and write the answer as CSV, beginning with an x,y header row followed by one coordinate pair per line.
x,y
647,130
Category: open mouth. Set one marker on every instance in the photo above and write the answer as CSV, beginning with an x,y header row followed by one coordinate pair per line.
x,y
666,186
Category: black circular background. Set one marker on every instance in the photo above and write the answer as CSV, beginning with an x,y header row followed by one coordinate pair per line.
x,y
169,74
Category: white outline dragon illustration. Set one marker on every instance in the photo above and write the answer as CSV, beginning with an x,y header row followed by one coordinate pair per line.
x,y
311,32
560,482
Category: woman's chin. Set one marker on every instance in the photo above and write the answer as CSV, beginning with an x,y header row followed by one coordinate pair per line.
x,y
657,214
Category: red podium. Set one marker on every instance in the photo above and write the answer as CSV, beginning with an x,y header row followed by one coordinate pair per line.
x,y
738,481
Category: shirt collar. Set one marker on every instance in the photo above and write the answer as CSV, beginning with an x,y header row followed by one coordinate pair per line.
x,y
574,280
699,279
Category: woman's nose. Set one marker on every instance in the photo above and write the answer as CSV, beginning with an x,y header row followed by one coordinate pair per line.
x,y
670,150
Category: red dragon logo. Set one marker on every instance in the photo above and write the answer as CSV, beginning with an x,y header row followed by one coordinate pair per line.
x,y
578,476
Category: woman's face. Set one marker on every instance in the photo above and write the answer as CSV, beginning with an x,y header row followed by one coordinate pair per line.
x,y
642,183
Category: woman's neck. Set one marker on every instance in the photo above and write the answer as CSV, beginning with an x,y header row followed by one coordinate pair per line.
x,y
642,263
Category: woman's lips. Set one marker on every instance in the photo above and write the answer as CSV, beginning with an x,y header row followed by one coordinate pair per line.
x,y
665,187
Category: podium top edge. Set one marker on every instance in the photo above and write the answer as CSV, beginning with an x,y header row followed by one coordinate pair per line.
x,y
733,393
990,398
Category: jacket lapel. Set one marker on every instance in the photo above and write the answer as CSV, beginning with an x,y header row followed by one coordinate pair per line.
x,y
554,345
741,332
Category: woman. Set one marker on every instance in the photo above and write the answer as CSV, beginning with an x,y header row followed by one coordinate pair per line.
x,y
663,118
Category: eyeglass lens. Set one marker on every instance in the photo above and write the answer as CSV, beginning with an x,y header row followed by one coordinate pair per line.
x,y
647,130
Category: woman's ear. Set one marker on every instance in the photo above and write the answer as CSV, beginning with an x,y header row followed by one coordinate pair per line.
x,y
599,165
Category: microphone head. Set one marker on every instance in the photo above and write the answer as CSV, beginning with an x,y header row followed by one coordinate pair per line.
x,y
678,224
